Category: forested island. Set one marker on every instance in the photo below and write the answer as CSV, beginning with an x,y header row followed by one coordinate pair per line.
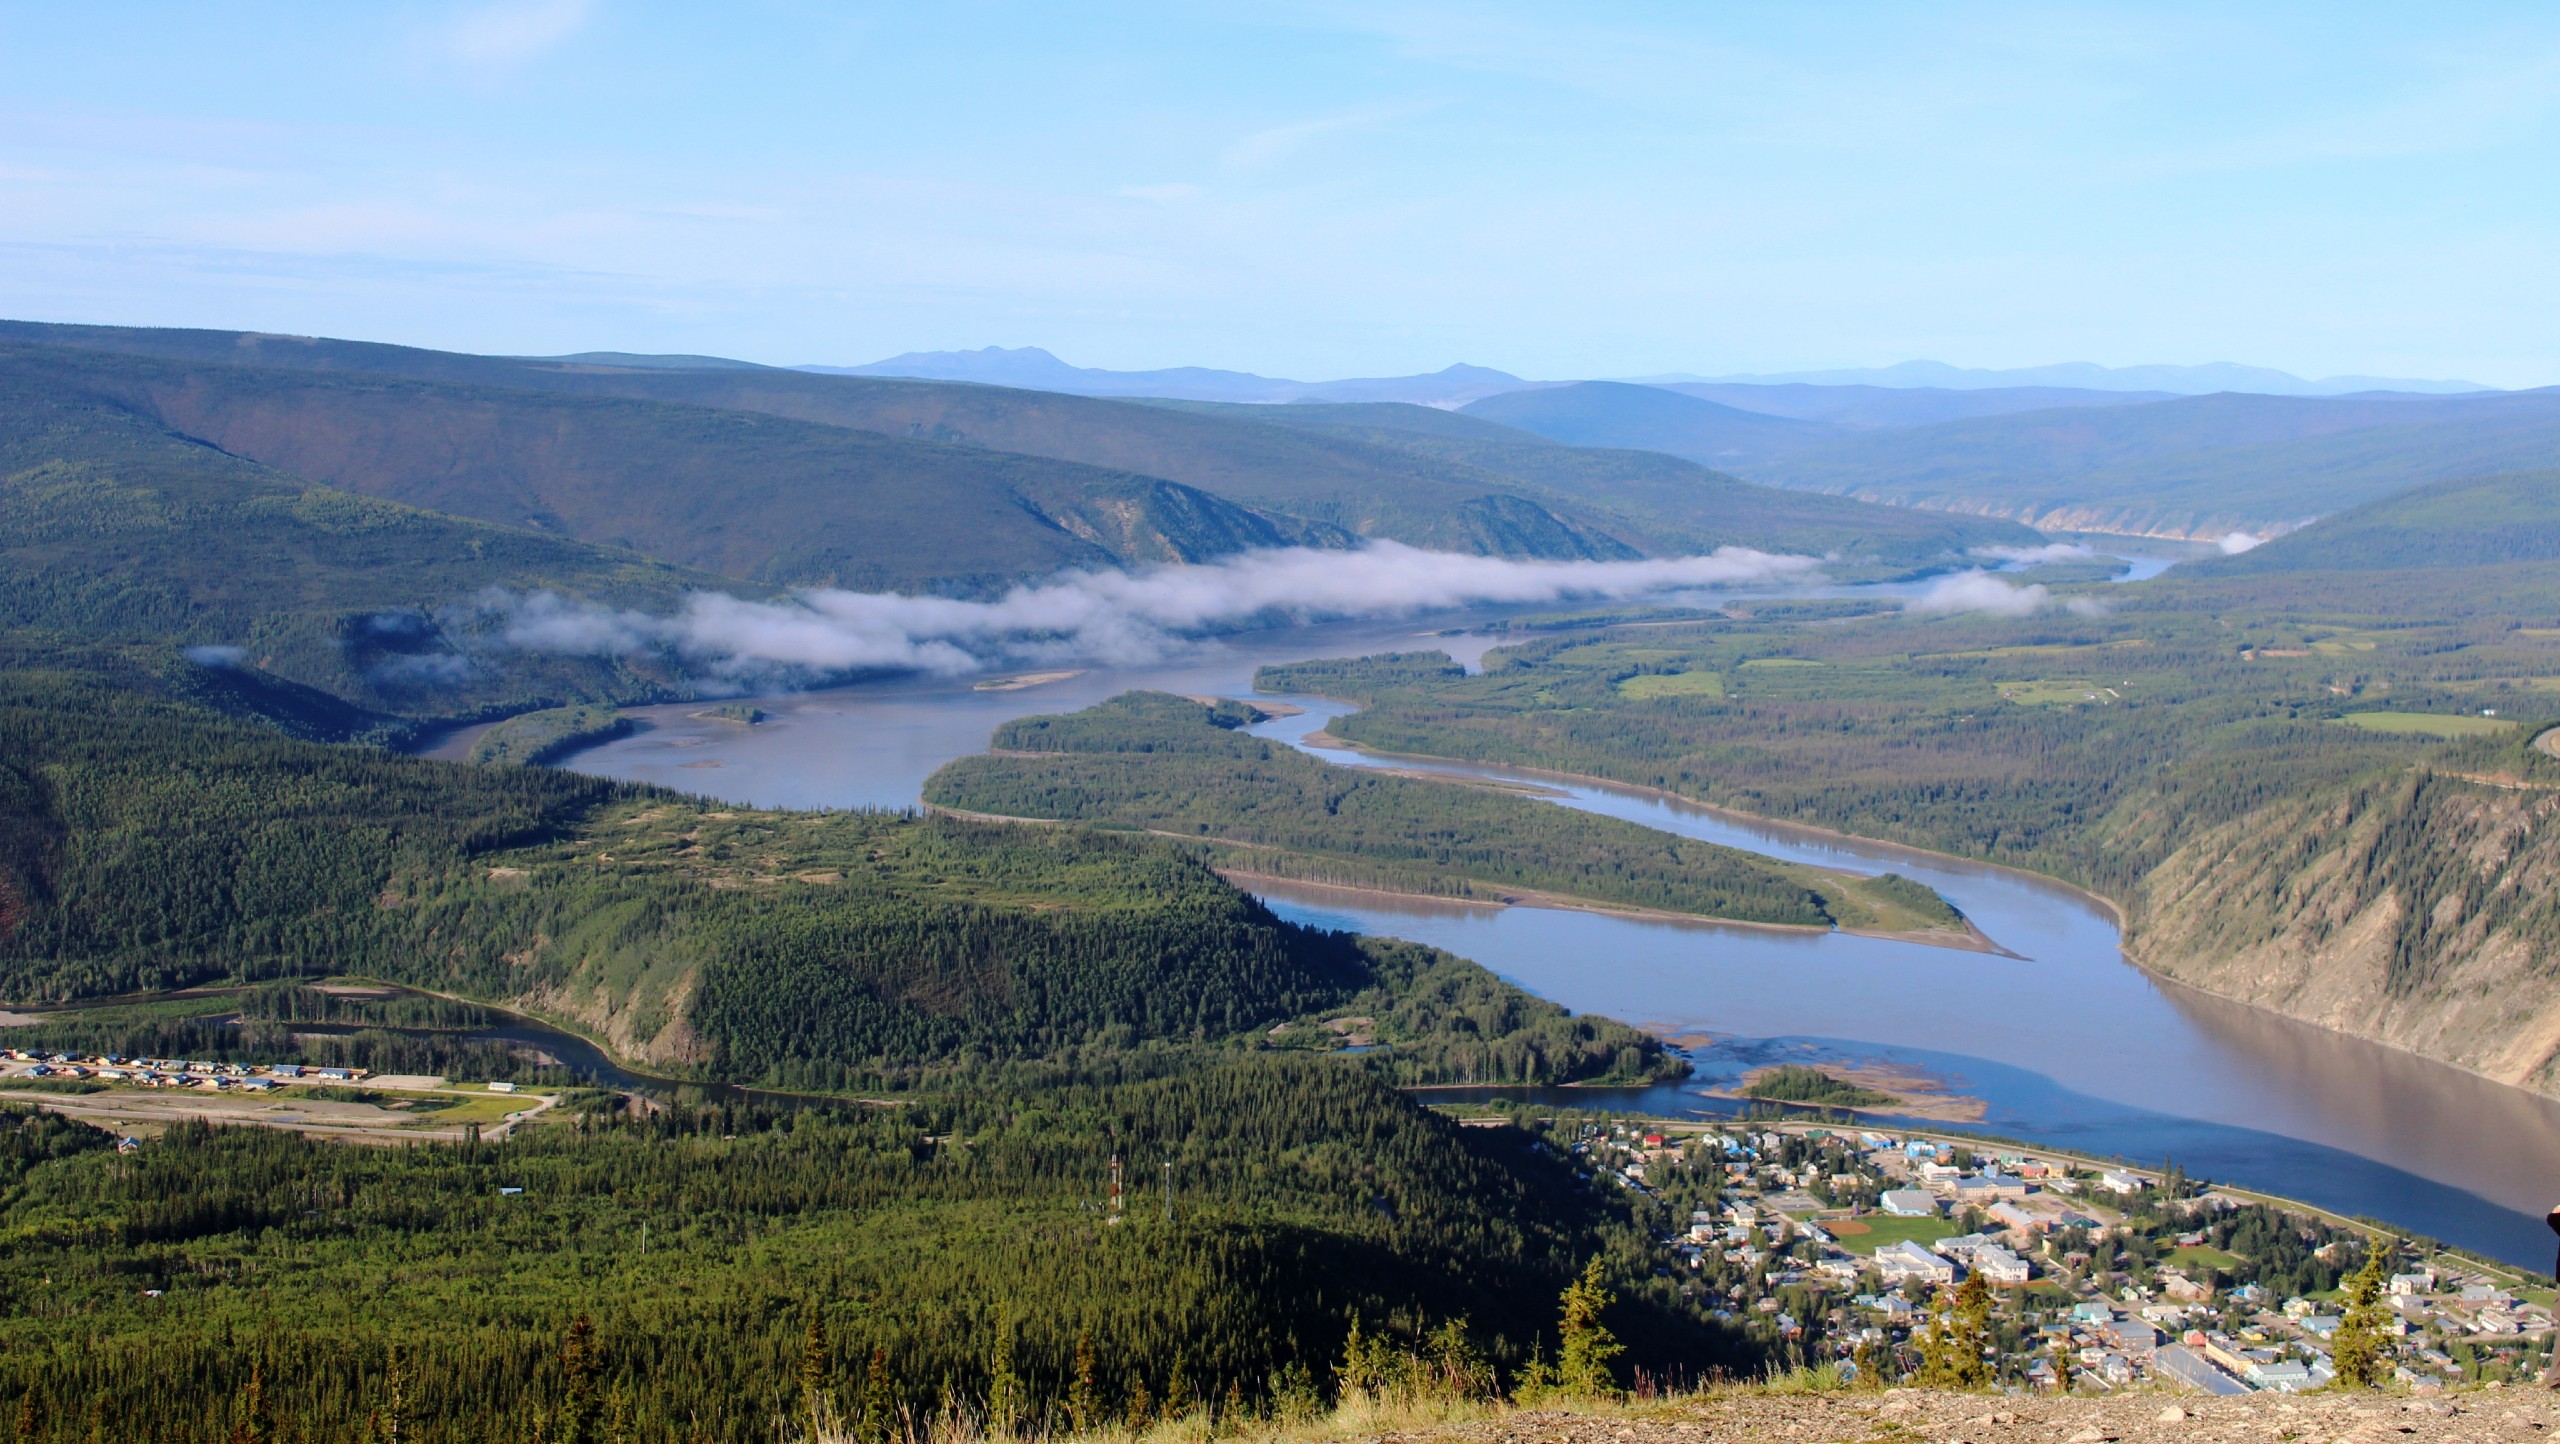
x,y
1184,769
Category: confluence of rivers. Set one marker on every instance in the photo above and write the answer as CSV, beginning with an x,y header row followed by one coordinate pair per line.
x,y
2066,1044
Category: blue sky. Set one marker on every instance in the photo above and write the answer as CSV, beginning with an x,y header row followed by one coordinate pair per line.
x,y
1307,190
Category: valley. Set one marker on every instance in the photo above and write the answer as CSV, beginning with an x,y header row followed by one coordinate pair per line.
x,y
1278,725
1898,799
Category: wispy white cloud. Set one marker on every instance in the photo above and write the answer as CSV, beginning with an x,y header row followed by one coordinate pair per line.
x,y
1111,617
514,31
1980,591
2235,542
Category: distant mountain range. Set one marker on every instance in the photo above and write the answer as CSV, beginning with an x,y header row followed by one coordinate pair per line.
x,y
2026,388
2083,376
1033,369
2183,466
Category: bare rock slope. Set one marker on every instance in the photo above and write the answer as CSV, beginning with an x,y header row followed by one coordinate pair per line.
x,y
2422,911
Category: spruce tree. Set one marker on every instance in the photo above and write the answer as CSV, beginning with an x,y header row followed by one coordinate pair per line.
x,y
1582,1360
1960,1329
396,1426
2357,1350
575,1421
879,1419
250,1424
1084,1400
1004,1388
817,1373
1142,1408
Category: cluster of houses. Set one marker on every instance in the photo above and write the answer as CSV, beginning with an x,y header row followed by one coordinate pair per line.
x,y
174,1072
1825,1236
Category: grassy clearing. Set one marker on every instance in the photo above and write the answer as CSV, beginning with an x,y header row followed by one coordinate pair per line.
x,y
2049,649
451,1111
1619,654
1774,663
2197,1256
1677,684
2426,724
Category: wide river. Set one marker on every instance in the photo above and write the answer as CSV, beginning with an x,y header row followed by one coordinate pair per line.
x,y
2066,1043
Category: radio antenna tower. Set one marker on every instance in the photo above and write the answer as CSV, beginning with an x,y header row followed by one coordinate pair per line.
x,y
1113,1216
1168,1190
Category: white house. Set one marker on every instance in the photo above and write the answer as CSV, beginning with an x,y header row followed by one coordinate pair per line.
x,y
1908,1260
1999,1266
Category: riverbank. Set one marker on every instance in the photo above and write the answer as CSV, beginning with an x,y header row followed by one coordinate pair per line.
x,y
1808,832
2128,941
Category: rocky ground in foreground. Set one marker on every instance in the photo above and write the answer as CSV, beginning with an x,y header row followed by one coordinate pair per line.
x,y
1918,1417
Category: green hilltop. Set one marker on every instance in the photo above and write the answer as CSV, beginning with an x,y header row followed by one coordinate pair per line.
x,y
2202,464
2477,521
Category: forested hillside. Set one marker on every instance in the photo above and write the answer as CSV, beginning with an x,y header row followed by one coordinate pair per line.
x,y
1653,418
1300,480
726,492
1173,766
1685,503
1015,1006
2472,522
116,533
653,1277
151,847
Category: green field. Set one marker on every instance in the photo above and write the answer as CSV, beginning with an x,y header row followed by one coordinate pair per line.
x,y
1884,1231
1775,662
2197,1256
445,1110
2426,724
1646,687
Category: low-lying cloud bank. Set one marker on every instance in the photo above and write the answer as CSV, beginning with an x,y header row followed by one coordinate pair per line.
x,y
1107,617
1980,591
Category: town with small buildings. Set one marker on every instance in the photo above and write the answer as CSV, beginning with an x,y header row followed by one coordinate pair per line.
x,y
138,1098
1833,1244
173,1072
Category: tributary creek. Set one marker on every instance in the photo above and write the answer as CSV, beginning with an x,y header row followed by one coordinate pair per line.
x,y
2066,1043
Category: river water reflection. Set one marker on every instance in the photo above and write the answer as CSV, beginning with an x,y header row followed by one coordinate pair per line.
x,y
2065,1043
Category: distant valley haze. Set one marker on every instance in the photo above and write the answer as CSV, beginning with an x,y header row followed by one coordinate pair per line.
x,y
1037,369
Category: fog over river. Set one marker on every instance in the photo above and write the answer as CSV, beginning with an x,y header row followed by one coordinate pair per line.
x,y
2065,1043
